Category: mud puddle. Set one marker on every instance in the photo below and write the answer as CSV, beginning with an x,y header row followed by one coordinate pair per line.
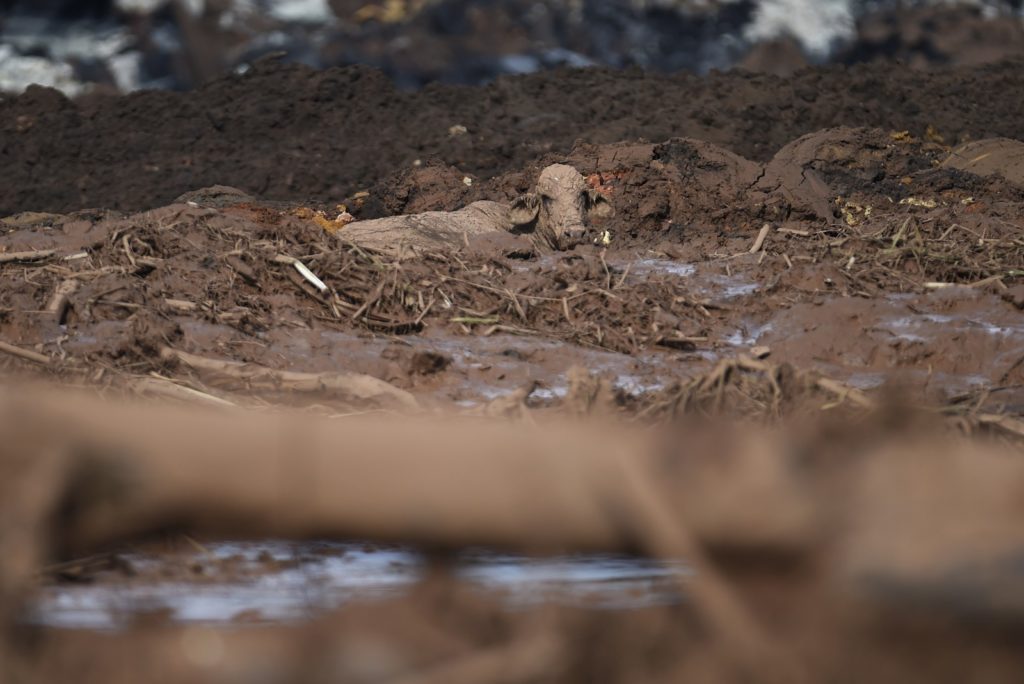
x,y
949,341
709,280
280,581
952,341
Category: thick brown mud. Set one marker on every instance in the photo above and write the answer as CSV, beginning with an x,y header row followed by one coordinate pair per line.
x,y
839,262
288,132
878,254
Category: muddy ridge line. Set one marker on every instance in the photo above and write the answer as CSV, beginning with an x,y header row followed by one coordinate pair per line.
x,y
293,133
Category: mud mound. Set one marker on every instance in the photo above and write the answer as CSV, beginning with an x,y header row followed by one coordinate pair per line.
x,y
1000,157
810,172
287,132
693,197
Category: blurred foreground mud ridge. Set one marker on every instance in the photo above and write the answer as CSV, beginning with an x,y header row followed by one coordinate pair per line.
x,y
785,370
849,546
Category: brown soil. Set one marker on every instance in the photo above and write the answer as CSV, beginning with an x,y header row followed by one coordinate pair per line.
x,y
287,132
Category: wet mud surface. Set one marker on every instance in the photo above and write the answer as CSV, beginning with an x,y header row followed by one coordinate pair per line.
x,y
878,254
252,583
782,260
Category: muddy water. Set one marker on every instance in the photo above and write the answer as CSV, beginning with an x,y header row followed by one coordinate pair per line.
x,y
278,581
948,342
951,340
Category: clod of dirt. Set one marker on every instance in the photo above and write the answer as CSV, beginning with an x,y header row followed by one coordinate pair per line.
x,y
995,156
428,363
432,186
812,171
1015,295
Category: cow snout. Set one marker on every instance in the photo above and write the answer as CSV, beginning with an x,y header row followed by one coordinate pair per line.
x,y
574,235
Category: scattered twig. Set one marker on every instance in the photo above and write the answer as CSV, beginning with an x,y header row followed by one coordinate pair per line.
x,y
114,302
1014,426
158,385
476,320
303,271
370,301
759,240
75,565
25,354
59,302
128,250
251,376
843,392
36,255
180,305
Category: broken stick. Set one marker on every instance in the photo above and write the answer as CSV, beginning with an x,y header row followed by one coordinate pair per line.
x,y
25,354
346,386
303,271
163,387
759,240
59,302
36,255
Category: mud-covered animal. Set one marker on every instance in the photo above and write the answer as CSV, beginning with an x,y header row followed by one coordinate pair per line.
x,y
554,216
556,211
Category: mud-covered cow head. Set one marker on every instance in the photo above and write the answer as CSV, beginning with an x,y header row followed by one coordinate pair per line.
x,y
558,208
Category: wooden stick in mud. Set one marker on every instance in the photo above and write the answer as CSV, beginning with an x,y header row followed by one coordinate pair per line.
x,y
759,240
59,302
163,387
26,354
36,255
844,392
250,376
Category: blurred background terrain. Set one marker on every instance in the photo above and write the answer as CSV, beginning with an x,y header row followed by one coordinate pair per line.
x,y
81,46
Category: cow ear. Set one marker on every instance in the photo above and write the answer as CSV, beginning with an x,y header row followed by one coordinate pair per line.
x,y
524,210
598,204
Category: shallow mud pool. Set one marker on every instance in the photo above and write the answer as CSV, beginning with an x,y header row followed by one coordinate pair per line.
x,y
271,582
